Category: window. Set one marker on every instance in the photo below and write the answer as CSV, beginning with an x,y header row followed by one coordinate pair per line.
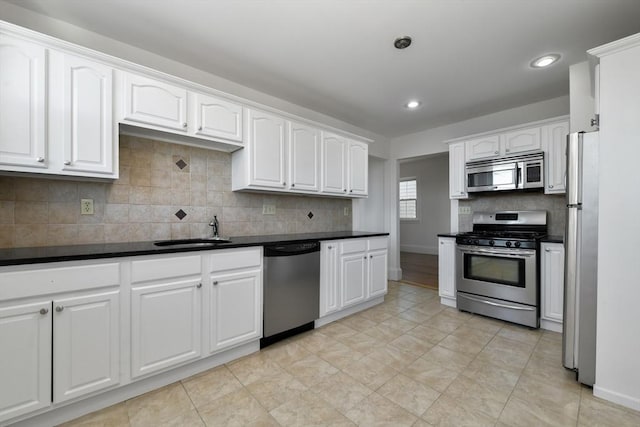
x,y
408,198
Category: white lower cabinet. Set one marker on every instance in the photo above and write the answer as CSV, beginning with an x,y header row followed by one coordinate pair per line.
x,y
552,285
25,355
235,309
86,350
352,272
447,270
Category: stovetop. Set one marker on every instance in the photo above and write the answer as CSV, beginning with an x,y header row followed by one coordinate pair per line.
x,y
501,239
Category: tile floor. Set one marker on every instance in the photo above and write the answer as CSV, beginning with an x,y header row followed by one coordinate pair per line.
x,y
407,362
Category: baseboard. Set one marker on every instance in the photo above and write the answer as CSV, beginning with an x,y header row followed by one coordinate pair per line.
x,y
448,301
615,397
395,273
550,325
419,249
348,311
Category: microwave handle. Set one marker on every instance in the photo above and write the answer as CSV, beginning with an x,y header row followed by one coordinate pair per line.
x,y
518,177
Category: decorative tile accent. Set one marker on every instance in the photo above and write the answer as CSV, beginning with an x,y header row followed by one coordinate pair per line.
x,y
181,214
310,215
181,164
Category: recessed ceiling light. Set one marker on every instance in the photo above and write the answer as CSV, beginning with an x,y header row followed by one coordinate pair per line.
x,y
545,61
402,42
413,104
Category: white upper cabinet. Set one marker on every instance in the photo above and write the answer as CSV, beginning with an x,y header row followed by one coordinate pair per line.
x,y
86,100
334,156
358,156
22,104
215,118
554,143
520,141
304,157
266,144
483,148
457,175
153,102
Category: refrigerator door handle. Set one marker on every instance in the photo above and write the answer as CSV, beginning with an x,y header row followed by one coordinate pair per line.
x,y
570,327
572,174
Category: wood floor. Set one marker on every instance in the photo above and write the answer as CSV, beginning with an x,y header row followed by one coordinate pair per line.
x,y
419,269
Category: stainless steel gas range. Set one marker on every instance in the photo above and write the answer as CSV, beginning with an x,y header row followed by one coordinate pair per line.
x,y
497,265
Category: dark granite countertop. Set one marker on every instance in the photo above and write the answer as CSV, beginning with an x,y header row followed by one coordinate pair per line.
x,y
17,256
553,239
449,234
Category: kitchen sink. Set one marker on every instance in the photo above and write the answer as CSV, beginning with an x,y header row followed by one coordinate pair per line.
x,y
199,241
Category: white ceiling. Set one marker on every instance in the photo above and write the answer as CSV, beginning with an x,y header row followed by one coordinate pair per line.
x,y
469,57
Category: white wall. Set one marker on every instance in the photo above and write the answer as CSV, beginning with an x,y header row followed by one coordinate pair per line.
x,y
618,334
432,175
582,103
431,141
369,213
71,33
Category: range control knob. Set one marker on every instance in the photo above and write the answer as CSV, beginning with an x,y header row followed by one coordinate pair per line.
x,y
517,244
492,242
508,244
477,242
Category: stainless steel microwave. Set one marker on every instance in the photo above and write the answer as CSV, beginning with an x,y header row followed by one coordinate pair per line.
x,y
520,172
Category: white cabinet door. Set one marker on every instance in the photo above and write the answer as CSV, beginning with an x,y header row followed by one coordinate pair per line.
x,y
457,173
552,281
165,325
329,280
86,351
554,143
87,104
353,278
521,140
235,309
304,157
483,148
377,273
25,355
22,103
358,168
447,267
267,142
334,153
156,103
216,118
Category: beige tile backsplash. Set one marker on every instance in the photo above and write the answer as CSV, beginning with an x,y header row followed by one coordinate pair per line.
x,y
142,204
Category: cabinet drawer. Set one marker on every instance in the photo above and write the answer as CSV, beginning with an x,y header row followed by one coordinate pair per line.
x,y
165,268
233,259
378,243
36,282
351,246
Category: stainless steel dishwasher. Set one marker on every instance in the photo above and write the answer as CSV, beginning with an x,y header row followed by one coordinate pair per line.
x,y
291,290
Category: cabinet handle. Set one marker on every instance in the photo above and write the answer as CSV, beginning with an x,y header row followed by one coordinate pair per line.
x,y
370,256
59,308
547,250
200,128
350,191
345,190
44,311
365,257
184,125
550,186
40,160
67,162
496,152
284,183
215,282
329,247
506,150
199,285
293,185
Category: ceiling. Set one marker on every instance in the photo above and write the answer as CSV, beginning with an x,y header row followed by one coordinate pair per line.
x,y
468,57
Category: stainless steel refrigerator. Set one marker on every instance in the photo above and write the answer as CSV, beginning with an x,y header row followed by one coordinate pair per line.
x,y
581,256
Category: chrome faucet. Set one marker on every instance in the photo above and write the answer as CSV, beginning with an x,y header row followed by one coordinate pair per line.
x,y
216,226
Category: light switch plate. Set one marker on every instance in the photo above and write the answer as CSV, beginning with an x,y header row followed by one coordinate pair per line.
x,y
464,210
268,209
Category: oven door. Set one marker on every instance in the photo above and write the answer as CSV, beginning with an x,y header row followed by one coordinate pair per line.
x,y
492,177
505,274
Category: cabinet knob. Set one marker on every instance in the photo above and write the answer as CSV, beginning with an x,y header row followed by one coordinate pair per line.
x,y
59,308
40,160
550,186
345,190
547,250
350,191
462,192
329,247
44,311
442,243
293,185
506,150
199,285
284,183
496,152
200,128
370,256
67,162
215,282
184,125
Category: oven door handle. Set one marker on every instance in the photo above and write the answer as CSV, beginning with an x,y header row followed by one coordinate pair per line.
x,y
520,254
512,307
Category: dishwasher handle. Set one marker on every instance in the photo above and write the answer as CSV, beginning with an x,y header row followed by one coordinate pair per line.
x,y
291,249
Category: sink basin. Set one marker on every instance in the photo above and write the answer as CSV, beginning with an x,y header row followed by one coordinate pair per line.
x,y
199,241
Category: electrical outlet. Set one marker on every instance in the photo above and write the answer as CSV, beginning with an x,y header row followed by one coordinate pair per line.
x,y
86,206
346,211
268,209
464,210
